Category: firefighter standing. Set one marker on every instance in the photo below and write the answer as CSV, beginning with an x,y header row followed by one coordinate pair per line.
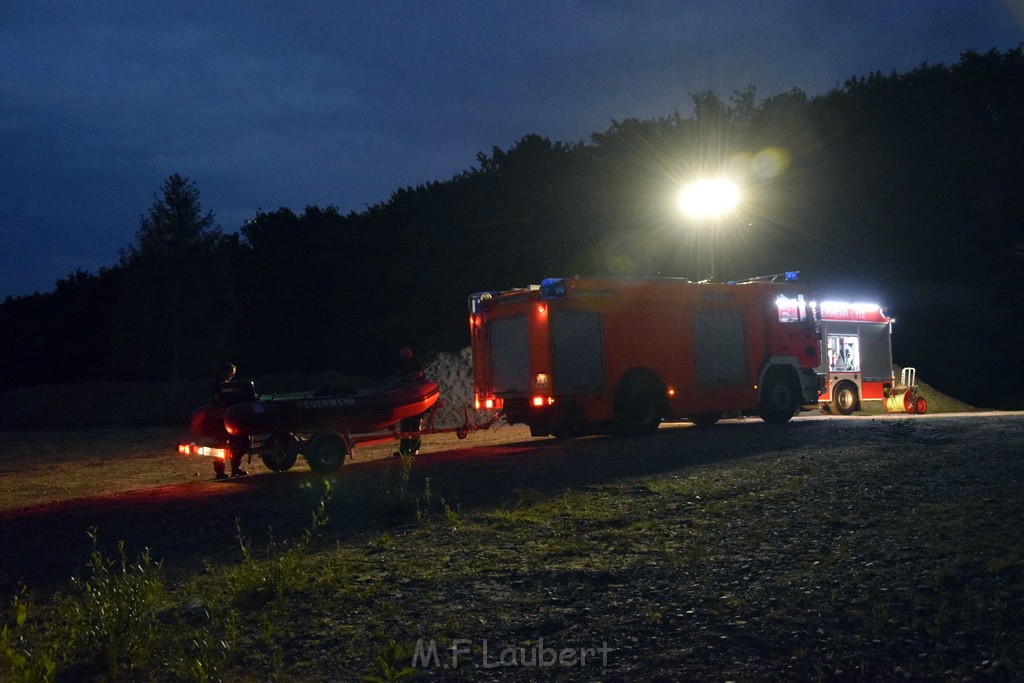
x,y
235,447
409,369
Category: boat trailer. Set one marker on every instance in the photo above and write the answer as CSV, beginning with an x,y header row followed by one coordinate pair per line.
x,y
326,449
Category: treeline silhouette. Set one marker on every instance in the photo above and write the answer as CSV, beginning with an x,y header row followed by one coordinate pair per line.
x,y
905,188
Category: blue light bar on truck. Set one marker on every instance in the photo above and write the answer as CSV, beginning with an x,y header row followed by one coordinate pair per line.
x,y
552,288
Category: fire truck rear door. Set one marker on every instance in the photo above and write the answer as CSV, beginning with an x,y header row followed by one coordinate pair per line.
x,y
576,346
510,354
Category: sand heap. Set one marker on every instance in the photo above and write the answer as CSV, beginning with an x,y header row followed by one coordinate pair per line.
x,y
453,373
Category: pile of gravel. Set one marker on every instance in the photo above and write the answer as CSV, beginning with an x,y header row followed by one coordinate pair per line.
x,y
453,373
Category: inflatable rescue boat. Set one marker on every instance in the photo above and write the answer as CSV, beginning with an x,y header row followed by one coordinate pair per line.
x,y
352,413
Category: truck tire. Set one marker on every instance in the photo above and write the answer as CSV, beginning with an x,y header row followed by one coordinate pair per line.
x,y
780,396
571,424
639,403
844,398
280,451
325,452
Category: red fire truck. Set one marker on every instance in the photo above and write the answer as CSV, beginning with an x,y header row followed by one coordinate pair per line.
x,y
857,363
593,355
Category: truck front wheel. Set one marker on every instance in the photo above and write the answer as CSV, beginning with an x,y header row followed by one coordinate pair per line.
x,y
779,396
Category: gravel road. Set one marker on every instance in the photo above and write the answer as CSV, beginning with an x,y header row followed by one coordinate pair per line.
x,y
186,523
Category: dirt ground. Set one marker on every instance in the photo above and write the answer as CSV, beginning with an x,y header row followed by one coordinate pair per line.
x,y
131,485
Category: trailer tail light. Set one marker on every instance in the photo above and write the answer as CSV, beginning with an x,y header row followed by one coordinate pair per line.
x,y
207,451
541,401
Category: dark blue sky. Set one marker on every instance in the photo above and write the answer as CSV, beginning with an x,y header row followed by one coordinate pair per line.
x,y
290,103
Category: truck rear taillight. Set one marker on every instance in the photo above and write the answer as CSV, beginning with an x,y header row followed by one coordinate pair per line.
x,y
541,401
488,403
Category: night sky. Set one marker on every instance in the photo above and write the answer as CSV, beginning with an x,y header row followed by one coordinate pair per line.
x,y
289,104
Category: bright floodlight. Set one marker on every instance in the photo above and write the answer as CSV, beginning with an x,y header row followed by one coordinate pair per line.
x,y
709,198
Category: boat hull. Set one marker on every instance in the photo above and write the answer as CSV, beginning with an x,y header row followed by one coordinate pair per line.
x,y
352,413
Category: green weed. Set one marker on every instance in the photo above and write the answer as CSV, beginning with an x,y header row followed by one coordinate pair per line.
x,y
450,516
112,622
22,659
389,662
384,541
281,571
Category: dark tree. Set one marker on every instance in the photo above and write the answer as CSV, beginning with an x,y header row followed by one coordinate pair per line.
x,y
177,313
175,223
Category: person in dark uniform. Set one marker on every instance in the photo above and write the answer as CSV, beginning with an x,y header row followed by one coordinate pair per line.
x,y
409,368
224,396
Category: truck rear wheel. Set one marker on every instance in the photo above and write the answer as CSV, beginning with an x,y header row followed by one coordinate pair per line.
x,y
844,398
280,451
639,403
780,397
325,452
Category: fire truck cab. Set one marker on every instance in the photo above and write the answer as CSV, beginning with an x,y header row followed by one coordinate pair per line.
x,y
593,355
857,363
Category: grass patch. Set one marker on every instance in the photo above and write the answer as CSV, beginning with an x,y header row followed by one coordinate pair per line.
x,y
780,565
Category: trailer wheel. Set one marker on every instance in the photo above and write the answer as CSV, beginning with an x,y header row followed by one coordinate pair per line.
x,y
844,398
639,403
280,451
325,452
779,396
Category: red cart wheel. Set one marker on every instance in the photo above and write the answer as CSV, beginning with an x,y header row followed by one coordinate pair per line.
x,y
920,405
908,401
